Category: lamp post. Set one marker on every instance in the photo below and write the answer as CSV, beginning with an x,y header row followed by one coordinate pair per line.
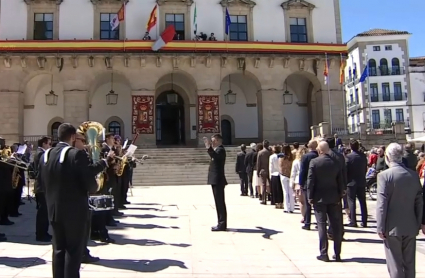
x,y
287,96
112,97
51,97
172,98
230,97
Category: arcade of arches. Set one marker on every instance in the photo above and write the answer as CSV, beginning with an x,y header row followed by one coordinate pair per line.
x,y
177,108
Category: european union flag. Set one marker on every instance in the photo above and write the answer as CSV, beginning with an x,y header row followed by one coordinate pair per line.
x,y
228,21
365,74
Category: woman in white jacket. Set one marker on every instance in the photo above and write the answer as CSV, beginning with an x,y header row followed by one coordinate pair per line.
x,y
295,179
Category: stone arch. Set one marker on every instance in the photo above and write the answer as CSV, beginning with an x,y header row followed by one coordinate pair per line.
x,y
232,127
118,120
105,77
34,82
244,80
51,123
179,79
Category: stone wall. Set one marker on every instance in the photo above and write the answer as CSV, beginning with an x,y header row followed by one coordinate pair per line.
x,y
11,122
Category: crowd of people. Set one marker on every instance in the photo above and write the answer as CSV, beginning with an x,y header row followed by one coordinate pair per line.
x,y
329,178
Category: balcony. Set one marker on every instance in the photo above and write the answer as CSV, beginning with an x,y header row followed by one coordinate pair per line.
x,y
386,71
350,82
353,105
388,97
382,127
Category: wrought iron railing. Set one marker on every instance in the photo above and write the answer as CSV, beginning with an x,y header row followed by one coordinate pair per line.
x,y
388,97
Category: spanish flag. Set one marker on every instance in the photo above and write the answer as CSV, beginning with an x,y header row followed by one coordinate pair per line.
x,y
341,71
152,19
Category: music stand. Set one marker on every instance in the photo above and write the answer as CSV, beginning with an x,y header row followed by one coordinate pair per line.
x,y
29,197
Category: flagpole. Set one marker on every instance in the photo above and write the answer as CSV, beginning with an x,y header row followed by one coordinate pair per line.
x,y
125,22
329,93
368,93
344,97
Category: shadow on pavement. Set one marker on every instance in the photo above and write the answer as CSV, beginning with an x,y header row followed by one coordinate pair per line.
x,y
267,233
141,265
141,226
122,240
366,260
21,262
364,240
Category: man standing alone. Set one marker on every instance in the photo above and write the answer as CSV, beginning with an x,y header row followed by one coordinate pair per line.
x,y
399,212
217,178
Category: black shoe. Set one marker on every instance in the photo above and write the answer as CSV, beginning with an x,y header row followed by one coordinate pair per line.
x,y
21,203
43,239
351,225
111,224
3,239
88,259
126,203
218,229
117,213
337,258
16,214
122,207
6,222
2,235
305,227
364,225
107,240
323,258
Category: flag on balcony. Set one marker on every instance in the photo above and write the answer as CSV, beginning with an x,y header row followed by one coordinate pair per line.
x,y
119,17
341,71
326,71
228,21
195,21
152,19
365,74
165,38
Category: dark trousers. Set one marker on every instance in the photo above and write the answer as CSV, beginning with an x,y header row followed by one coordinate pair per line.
x,y
243,177
125,185
116,192
15,201
99,221
5,200
250,176
86,251
265,179
358,192
68,247
307,216
42,219
333,212
220,205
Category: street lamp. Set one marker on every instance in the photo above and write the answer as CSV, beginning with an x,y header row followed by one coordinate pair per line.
x,y
172,98
51,98
287,96
230,97
112,97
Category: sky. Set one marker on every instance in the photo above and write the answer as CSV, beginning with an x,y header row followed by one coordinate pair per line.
x,y
402,15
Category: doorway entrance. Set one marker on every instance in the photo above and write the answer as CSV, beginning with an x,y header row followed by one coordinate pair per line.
x,y
226,132
170,128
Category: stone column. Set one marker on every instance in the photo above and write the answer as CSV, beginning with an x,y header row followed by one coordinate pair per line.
x,y
273,116
200,136
145,140
313,130
12,116
325,129
76,107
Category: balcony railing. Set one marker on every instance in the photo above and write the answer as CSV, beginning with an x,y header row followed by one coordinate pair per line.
x,y
352,105
388,97
385,71
297,136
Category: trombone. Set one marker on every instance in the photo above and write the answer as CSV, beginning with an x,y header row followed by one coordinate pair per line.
x,y
3,160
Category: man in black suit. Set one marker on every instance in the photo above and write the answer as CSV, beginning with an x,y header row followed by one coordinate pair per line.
x,y
16,197
324,191
304,164
67,178
356,176
217,178
241,170
42,219
249,166
5,191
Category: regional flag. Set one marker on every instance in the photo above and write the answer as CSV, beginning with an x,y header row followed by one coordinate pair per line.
x,y
120,16
341,71
326,71
152,19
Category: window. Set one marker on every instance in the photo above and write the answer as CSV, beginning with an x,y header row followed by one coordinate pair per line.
x,y
384,67
351,96
115,128
375,118
374,92
106,32
357,96
372,68
395,63
238,30
43,26
399,116
355,71
349,73
178,21
387,118
388,47
386,92
398,95
376,48
54,131
298,29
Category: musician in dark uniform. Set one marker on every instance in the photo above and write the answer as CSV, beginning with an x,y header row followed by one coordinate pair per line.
x,y
121,180
125,181
6,189
217,178
67,178
42,219
16,196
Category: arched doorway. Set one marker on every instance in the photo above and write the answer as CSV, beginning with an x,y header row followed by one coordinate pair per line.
x,y
115,128
170,119
54,131
226,131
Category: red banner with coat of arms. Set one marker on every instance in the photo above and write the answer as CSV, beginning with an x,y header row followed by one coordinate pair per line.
x,y
143,114
208,114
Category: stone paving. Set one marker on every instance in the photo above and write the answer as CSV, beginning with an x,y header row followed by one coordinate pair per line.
x,y
166,233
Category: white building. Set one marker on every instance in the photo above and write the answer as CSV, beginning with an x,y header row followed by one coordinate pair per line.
x,y
272,61
382,98
417,95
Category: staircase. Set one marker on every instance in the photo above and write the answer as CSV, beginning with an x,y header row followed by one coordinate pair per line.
x,y
179,166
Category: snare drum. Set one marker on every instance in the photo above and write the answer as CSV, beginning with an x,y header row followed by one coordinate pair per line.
x,y
101,202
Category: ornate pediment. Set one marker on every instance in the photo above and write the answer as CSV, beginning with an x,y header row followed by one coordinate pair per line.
x,y
297,4
185,2
31,2
227,3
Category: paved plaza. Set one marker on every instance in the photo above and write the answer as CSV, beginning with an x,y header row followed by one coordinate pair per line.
x,y
166,233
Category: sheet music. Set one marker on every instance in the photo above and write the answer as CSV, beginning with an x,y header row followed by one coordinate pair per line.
x,y
22,149
125,144
131,150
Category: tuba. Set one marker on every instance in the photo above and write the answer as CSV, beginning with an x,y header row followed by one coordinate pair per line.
x,y
92,130
16,176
